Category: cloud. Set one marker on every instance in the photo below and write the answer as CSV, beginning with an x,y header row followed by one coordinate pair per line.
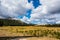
x,y
47,13
52,5
26,19
58,22
14,8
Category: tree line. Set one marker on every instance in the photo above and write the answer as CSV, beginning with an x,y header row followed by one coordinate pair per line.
x,y
8,22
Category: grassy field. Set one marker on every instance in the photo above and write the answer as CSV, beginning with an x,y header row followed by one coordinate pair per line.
x,y
37,31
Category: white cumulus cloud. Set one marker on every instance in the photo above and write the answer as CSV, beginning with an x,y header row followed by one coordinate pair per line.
x,y
48,12
14,8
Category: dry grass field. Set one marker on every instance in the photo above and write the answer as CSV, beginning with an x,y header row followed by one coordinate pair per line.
x,y
48,33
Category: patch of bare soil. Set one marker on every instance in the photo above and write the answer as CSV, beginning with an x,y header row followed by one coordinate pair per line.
x,y
36,38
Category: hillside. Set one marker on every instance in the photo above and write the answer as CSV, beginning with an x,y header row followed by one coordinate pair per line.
x,y
10,22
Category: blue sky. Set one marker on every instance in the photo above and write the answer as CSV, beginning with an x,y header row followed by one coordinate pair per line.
x,y
31,11
36,3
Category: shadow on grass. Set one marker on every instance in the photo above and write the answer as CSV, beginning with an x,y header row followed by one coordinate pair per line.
x,y
9,38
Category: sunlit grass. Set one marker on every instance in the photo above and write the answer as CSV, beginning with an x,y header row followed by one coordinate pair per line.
x,y
30,31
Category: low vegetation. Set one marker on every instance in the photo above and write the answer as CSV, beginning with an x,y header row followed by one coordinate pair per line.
x,y
30,31
17,28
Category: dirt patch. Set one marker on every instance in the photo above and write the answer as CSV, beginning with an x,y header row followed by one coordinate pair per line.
x,y
36,38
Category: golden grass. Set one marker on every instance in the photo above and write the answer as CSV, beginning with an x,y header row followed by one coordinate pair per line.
x,y
12,31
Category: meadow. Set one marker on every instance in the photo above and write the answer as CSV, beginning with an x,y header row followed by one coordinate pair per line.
x,y
33,31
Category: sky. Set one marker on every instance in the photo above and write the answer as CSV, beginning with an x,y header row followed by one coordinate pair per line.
x,y
31,11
